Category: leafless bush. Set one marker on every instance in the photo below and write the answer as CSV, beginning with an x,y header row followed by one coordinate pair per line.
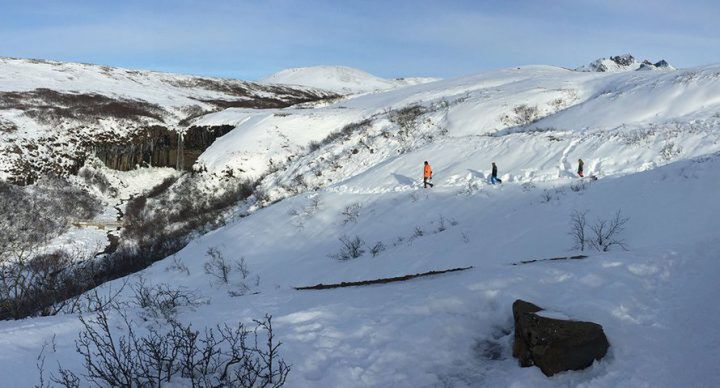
x,y
178,266
527,186
31,216
351,212
578,186
441,224
406,118
299,184
670,151
578,222
96,178
351,248
378,248
7,126
602,235
100,298
217,266
161,301
607,233
314,146
549,195
344,133
66,379
522,115
418,232
227,356
161,187
242,267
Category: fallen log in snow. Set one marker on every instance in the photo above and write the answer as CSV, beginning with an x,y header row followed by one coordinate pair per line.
x,y
380,281
578,257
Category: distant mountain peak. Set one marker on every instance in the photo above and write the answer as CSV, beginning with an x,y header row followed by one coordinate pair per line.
x,y
625,62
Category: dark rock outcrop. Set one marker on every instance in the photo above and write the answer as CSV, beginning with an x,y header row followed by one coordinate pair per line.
x,y
160,147
555,345
623,60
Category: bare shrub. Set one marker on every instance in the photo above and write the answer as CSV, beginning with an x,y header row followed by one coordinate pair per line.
x,y
578,222
378,248
670,151
178,266
441,224
345,132
351,212
522,115
406,118
601,236
314,146
578,186
351,248
527,186
227,356
7,126
161,187
96,178
99,298
607,233
418,232
299,184
161,301
217,266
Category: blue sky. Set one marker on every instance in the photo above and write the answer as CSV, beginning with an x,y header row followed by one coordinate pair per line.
x,y
253,38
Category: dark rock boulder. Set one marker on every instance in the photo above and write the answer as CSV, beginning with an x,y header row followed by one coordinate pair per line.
x,y
555,345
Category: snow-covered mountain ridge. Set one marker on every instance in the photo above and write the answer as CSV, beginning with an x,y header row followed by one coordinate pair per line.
x,y
625,62
340,79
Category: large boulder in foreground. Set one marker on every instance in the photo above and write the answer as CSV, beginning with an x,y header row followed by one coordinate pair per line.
x,y
555,345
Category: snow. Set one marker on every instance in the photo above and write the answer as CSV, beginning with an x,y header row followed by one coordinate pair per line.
x,y
652,138
583,110
340,79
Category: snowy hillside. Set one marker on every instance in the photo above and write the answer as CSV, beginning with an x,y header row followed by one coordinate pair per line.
x,y
52,113
340,79
652,117
337,197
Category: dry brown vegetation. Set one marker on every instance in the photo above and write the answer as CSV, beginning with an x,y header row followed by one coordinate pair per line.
x,y
49,106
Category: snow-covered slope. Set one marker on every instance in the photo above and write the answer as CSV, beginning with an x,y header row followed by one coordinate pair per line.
x,y
674,112
352,169
340,79
454,329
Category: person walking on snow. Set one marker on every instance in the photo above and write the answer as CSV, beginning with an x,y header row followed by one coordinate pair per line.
x,y
493,177
427,175
580,168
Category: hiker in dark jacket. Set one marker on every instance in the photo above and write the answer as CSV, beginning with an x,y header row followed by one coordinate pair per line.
x,y
580,168
493,177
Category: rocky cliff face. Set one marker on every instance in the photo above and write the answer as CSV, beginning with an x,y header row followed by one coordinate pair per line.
x,y
160,147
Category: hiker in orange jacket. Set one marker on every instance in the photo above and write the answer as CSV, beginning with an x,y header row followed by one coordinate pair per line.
x,y
427,175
